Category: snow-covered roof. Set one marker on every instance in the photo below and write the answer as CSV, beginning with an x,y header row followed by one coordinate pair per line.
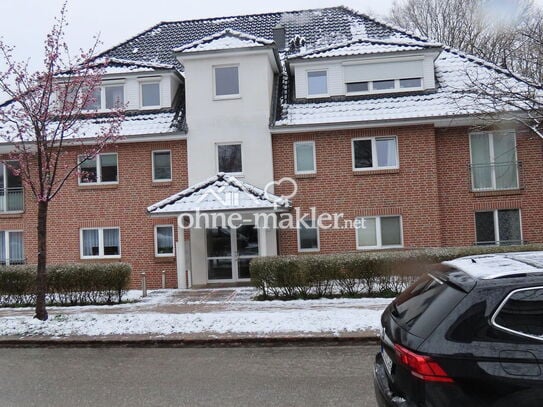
x,y
225,39
491,266
221,192
137,125
453,70
365,47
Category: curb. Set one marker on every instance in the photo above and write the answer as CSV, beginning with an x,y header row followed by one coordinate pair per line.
x,y
190,343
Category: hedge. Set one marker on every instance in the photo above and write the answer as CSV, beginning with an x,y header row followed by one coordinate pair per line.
x,y
67,284
383,273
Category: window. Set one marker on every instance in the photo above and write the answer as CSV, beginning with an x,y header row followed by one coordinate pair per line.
x,y
11,188
317,84
101,242
411,83
383,85
11,247
375,153
164,241
522,313
494,161
114,96
150,94
101,169
95,101
162,166
379,232
354,87
308,236
229,158
226,81
501,227
304,157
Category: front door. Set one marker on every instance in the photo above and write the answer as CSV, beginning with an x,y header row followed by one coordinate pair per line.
x,y
229,252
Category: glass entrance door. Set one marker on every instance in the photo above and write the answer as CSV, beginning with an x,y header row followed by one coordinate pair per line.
x,y
229,252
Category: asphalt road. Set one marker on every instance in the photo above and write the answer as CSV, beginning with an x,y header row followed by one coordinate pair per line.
x,y
222,377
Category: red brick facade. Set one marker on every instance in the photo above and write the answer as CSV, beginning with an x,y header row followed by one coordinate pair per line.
x,y
431,190
121,205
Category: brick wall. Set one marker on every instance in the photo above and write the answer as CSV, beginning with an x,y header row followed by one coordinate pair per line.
x,y
123,205
458,204
411,191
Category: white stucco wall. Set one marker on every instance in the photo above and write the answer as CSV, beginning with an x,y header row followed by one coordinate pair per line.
x,y
213,121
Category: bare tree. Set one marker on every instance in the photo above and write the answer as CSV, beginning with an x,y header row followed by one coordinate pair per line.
x,y
48,113
477,27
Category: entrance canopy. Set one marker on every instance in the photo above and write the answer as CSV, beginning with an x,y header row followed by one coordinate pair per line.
x,y
221,192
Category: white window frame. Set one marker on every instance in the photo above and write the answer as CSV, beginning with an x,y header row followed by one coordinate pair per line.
x,y
490,135
296,171
229,143
318,248
5,171
317,95
154,81
102,88
214,90
378,234
7,241
101,254
99,172
498,310
153,165
157,254
374,154
496,224
395,89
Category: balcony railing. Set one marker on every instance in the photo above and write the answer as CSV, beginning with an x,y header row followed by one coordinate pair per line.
x,y
496,176
11,199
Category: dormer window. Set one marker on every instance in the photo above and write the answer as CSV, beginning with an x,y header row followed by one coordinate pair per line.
x,y
150,94
226,82
411,83
114,96
317,83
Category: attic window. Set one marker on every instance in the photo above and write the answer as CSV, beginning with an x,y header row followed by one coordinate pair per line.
x,y
226,81
150,94
317,83
114,96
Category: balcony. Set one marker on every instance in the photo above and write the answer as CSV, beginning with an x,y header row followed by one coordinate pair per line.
x,y
11,200
496,176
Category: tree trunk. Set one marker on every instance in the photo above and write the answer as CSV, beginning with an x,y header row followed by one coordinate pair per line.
x,y
41,277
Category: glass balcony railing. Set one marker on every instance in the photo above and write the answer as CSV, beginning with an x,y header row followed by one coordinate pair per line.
x,y
11,199
496,176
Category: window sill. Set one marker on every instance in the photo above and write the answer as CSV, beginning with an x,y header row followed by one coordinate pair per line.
x,y
377,171
11,215
227,97
379,248
499,192
92,186
309,250
101,259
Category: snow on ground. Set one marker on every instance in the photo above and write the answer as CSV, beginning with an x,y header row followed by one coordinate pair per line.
x,y
177,312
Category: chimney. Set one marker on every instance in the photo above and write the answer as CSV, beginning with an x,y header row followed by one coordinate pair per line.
x,y
279,36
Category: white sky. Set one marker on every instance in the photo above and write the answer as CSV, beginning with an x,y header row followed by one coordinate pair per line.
x,y
24,23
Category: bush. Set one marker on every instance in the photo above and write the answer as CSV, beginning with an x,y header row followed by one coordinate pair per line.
x,y
384,273
67,284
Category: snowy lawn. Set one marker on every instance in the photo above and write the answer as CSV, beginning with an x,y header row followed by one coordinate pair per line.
x,y
165,314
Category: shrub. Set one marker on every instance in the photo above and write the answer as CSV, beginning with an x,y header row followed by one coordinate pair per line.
x,y
67,284
384,273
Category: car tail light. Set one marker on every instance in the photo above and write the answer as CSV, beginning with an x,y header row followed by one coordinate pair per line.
x,y
421,366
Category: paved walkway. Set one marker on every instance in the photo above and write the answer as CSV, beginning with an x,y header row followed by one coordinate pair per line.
x,y
217,303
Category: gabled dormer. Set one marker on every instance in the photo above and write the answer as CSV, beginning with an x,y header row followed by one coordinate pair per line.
x,y
364,67
137,85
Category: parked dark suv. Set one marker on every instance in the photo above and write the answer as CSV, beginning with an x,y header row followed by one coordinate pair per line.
x,y
468,333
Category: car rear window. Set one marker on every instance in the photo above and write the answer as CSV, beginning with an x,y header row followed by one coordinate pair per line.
x,y
424,304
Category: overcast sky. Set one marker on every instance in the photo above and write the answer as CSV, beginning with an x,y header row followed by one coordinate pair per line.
x,y
24,23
